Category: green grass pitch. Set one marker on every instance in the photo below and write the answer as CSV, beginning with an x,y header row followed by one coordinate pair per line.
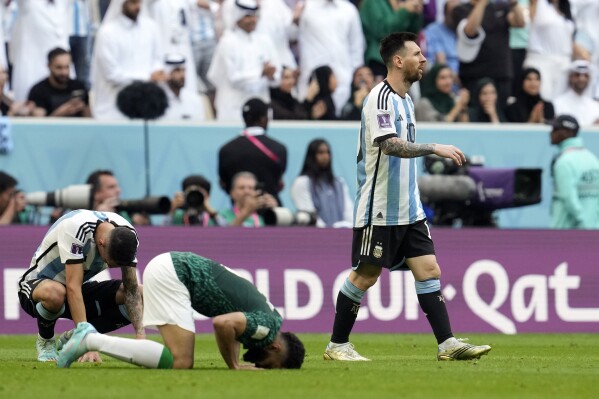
x,y
403,366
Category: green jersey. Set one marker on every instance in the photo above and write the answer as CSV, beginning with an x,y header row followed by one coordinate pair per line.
x,y
216,290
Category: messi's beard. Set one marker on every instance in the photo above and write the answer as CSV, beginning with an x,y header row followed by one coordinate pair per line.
x,y
255,355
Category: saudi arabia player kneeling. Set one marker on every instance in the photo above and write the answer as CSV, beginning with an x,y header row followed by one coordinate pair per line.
x,y
175,284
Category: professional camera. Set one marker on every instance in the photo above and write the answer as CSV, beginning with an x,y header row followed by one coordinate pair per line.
x,y
280,216
150,205
77,196
471,193
193,198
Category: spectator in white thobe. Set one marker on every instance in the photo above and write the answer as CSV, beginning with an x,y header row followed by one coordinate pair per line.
x,y
577,100
244,65
183,104
39,27
276,22
173,19
330,33
127,48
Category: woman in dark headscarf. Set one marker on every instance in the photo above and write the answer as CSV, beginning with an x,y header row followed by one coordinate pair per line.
x,y
438,103
319,100
528,106
362,83
485,107
282,101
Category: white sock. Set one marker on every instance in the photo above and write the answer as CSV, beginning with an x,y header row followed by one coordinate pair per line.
x,y
335,345
141,352
449,342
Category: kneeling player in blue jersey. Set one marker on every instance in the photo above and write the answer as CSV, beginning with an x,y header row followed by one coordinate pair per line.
x,y
175,284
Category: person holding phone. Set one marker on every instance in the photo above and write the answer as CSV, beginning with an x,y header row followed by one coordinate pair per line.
x,y
58,95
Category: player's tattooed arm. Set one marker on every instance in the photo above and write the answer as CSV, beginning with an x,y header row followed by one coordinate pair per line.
x,y
133,300
404,149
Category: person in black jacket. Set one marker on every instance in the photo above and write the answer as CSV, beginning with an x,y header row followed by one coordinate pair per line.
x,y
253,151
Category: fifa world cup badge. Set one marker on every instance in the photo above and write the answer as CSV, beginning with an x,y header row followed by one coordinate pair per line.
x,y
377,252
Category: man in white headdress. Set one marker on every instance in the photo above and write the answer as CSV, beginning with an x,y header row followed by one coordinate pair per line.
x,y
276,21
244,65
183,103
173,19
127,48
330,33
39,27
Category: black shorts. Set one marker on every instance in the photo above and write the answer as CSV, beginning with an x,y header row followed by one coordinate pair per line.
x,y
99,298
390,246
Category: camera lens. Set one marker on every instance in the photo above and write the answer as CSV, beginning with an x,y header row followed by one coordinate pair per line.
x,y
194,199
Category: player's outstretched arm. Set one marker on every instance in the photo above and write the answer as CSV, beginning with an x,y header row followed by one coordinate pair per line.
x,y
133,301
404,149
227,328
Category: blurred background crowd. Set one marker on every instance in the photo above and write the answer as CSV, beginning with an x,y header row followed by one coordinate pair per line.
x,y
488,60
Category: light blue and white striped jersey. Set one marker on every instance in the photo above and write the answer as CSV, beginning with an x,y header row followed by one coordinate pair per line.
x,y
79,17
387,192
71,240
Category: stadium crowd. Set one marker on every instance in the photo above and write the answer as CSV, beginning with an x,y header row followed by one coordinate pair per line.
x,y
488,60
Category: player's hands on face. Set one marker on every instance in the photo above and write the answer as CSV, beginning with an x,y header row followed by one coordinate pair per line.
x,y
452,152
90,357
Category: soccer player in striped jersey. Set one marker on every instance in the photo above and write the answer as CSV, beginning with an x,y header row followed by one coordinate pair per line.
x,y
390,229
77,247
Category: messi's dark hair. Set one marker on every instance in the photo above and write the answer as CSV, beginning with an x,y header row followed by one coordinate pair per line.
x,y
393,43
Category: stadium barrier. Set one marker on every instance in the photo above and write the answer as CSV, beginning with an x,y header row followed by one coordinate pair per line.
x,y
506,281
52,153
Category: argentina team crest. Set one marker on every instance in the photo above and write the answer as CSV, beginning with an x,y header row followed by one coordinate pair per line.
x,y
377,252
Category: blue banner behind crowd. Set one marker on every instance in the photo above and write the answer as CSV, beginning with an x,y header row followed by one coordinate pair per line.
x,y
52,154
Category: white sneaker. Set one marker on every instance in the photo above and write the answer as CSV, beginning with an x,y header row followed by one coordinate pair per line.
x,y
344,352
76,345
46,350
63,339
457,349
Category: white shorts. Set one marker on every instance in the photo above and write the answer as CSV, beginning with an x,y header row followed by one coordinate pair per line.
x,y
166,299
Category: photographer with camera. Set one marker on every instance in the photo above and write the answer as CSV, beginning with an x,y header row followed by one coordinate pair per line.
x,y
106,197
191,207
247,199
